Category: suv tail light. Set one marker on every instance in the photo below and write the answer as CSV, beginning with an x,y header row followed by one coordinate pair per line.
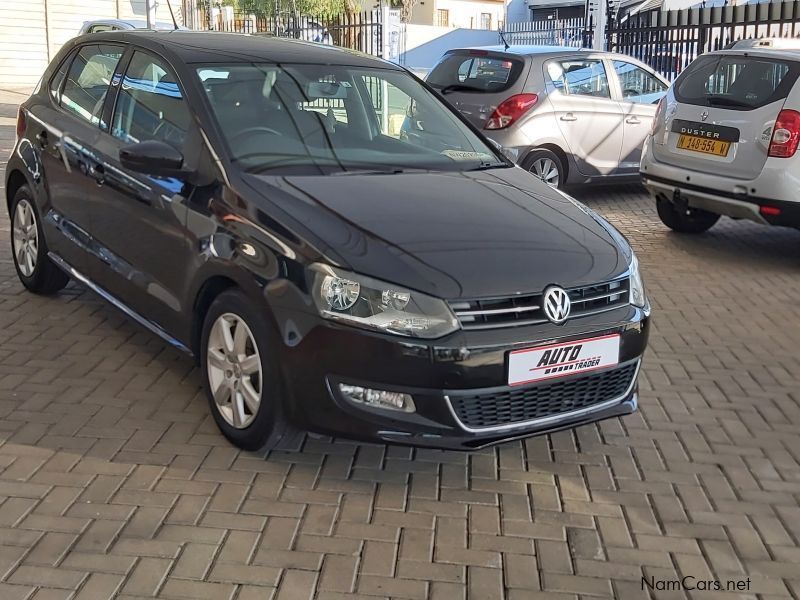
x,y
785,134
510,110
22,122
657,116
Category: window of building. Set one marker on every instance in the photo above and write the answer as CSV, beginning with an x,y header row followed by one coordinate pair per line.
x,y
443,17
486,21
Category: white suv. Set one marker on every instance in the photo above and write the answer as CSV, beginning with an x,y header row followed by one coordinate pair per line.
x,y
724,141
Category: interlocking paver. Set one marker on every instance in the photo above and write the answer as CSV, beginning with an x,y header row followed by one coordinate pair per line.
x,y
114,479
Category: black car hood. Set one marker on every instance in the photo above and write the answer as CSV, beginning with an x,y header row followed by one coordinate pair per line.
x,y
451,234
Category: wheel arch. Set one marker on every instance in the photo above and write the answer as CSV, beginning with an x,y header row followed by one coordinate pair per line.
x,y
208,292
15,180
555,149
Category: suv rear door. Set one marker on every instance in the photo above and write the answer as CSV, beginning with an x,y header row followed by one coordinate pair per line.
x,y
725,106
477,81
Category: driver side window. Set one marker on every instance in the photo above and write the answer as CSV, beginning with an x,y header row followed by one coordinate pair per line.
x,y
150,105
637,85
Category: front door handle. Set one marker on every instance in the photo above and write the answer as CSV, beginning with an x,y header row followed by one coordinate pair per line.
x,y
569,117
633,120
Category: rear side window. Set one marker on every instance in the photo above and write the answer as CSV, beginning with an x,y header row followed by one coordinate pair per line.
x,y
475,73
87,81
57,81
101,28
736,82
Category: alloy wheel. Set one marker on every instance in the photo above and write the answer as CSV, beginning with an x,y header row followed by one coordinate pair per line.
x,y
25,236
234,370
546,170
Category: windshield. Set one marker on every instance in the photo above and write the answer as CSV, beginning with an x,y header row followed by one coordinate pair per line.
x,y
320,119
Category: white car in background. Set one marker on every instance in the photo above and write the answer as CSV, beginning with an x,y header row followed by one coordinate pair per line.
x,y
725,139
100,25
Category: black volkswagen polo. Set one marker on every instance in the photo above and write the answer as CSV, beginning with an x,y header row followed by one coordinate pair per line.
x,y
339,249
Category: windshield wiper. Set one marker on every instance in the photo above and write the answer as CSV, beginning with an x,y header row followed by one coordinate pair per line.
x,y
458,87
726,101
388,171
487,166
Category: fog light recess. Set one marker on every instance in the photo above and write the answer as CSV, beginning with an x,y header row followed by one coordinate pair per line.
x,y
378,398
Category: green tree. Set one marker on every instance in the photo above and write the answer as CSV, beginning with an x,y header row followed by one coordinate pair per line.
x,y
309,7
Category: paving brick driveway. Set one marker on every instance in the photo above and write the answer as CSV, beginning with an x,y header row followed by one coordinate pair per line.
x,y
114,480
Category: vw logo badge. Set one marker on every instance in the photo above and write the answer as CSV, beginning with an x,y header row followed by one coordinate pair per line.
x,y
556,304
704,115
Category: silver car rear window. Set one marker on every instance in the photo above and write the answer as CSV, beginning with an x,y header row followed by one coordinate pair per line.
x,y
475,71
736,82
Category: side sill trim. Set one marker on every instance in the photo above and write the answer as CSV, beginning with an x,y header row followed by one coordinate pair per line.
x,y
74,273
552,420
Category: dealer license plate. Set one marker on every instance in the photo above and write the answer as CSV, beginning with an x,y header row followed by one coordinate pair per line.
x,y
559,360
703,145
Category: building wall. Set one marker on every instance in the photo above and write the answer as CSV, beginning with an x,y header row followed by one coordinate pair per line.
x,y
463,14
33,31
466,14
425,44
23,42
517,10
422,13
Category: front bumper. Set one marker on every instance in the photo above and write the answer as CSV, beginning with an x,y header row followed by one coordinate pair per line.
x,y
436,373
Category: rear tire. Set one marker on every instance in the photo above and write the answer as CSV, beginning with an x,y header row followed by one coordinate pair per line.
x,y
546,165
28,247
691,220
243,383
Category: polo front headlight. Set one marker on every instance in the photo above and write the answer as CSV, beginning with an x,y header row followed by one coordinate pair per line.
x,y
638,295
372,304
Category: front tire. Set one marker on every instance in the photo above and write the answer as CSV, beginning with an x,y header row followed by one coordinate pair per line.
x,y
28,247
689,220
547,166
243,383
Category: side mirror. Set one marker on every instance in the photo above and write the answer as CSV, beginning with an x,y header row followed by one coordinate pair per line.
x,y
153,157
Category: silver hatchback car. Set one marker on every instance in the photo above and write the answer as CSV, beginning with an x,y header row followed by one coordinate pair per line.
x,y
567,115
725,140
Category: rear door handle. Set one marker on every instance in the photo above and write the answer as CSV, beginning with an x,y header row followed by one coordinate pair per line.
x,y
633,120
569,117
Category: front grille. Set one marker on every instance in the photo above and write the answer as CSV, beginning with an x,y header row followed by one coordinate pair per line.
x,y
517,405
516,311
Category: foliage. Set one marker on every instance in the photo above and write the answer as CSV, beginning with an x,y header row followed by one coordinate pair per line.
x,y
309,7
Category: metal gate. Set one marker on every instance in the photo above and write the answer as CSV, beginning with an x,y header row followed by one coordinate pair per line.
x,y
669,40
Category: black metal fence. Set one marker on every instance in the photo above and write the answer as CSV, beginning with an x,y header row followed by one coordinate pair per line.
x,y
362,31
669,40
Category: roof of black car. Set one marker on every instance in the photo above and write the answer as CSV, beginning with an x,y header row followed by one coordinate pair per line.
x,y
219,47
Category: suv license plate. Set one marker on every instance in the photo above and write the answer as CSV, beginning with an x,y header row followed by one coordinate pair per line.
x,y
558,360
703,145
